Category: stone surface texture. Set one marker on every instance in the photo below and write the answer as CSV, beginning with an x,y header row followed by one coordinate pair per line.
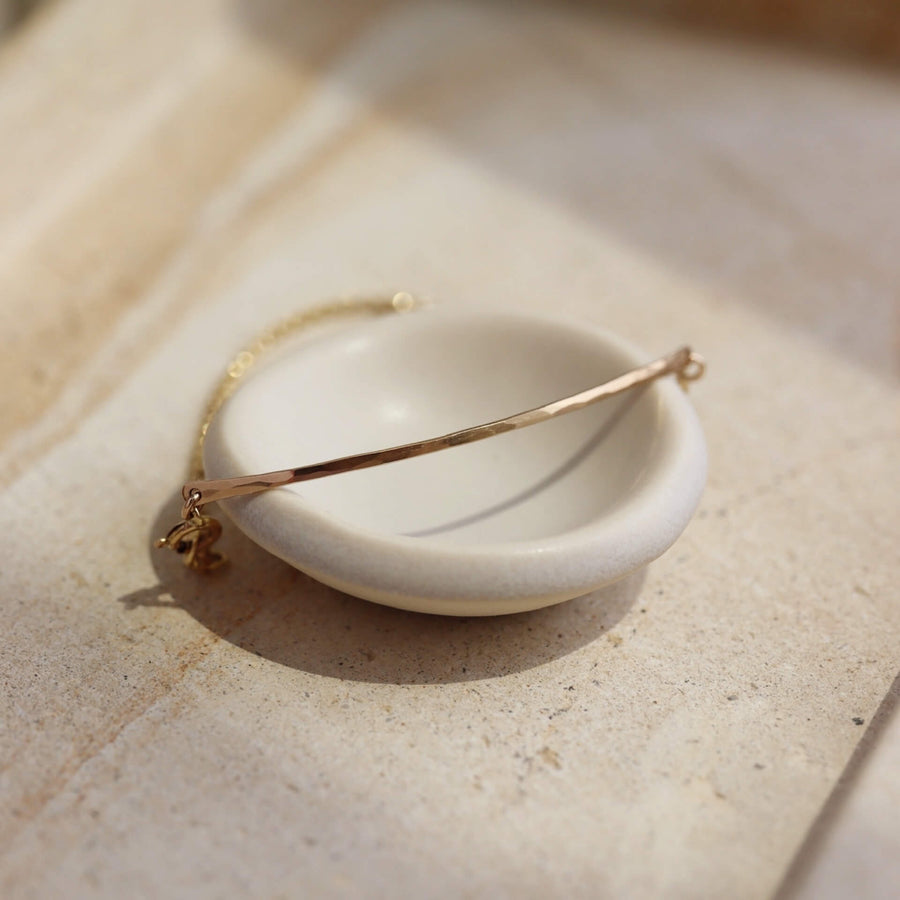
x,y
176,175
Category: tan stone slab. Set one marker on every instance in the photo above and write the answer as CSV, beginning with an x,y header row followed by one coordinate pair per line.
x,y
851,850
112,146
258,733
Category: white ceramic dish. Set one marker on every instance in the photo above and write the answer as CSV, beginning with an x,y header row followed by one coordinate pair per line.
x,y
515,522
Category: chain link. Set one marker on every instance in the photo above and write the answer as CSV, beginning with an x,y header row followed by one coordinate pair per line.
x,y
245,359
195,534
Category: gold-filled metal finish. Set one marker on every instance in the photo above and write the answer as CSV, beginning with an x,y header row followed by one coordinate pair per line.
x,y
196,533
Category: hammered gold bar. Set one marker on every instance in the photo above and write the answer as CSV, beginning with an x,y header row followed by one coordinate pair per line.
x,y
687,365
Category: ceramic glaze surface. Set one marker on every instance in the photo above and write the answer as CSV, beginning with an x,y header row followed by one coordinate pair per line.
x,y
514,522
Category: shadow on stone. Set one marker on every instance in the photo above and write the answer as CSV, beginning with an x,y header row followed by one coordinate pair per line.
x,y
264,606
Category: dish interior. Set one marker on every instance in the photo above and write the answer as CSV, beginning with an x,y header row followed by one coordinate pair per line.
x,y
389,381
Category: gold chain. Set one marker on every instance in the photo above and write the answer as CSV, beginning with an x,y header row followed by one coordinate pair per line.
x,y
194,536
266,340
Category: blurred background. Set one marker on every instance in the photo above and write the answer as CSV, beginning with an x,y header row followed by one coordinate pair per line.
x,y
868,29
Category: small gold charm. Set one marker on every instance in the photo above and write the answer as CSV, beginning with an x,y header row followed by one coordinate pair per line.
x,y
193,539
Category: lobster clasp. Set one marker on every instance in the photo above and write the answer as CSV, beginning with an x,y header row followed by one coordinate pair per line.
x,y
193,539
